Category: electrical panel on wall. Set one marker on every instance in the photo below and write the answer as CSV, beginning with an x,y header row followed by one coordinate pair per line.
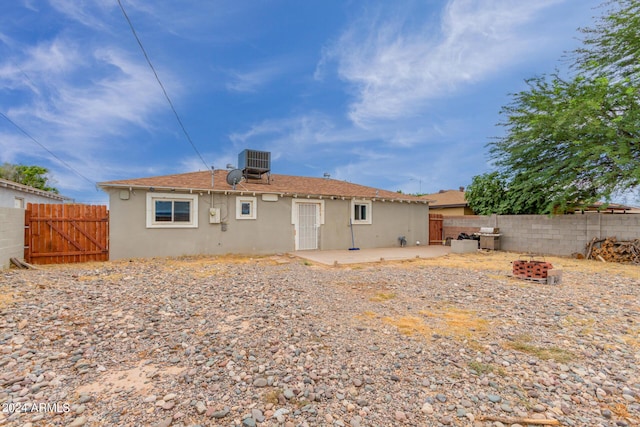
x,y
214,216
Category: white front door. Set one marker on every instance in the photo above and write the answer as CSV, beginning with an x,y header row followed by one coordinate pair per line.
x,y
307,226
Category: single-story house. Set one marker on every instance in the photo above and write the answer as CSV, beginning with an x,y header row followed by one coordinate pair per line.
x,y
449,203
610,208
14,195
207,213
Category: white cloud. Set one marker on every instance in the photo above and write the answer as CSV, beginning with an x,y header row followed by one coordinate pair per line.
x,y
78,101
29,4
303,131
298,136
126,92
396,68
11,145
424,171
44,62
250,81
84,12
385,157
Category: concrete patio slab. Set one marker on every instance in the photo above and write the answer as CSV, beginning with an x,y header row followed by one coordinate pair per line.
x,y
345,256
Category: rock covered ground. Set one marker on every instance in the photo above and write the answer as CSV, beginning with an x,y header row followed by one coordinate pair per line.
x,y
278,341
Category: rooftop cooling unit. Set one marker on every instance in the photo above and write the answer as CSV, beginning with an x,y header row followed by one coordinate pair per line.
x,y
254,163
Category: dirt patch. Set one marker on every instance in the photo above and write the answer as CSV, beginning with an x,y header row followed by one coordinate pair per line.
x,y
139,379
501,261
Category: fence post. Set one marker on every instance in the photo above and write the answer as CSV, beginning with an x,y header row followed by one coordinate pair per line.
x,y
27,233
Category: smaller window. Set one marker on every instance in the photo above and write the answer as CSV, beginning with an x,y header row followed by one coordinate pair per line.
x,y
246,208
18,203
361,211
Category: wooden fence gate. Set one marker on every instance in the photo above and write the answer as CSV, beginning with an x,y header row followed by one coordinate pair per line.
x,y
435,229
67,233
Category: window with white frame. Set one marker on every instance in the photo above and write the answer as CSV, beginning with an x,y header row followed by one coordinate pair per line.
x,y
246,208
361,211
165,210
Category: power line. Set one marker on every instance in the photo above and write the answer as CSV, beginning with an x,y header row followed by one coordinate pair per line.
x,y
166,95
67,165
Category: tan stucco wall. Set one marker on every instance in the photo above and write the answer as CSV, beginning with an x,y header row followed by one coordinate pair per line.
x,y
391,220
271,232
458,211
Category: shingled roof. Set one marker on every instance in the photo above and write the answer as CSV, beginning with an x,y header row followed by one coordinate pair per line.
x,y
27,189
285,185
446,199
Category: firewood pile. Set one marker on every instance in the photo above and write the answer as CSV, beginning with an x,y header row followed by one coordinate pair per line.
x,y
612,250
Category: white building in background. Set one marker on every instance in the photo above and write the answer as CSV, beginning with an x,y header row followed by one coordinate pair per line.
x,y
14,195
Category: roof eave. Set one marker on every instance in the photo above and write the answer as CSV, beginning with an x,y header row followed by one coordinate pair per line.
x,y
31,190
460,205
209,190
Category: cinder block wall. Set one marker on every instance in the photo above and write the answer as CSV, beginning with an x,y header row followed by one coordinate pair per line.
x,y
452,226
558,235
11,235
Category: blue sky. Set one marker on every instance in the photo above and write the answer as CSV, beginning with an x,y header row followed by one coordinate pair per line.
x,y
399,95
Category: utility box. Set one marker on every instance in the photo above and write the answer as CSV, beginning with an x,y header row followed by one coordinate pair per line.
x,y
214,216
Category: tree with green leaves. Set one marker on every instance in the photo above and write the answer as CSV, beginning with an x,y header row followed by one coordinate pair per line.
x,y
495,193
33,176
570,142
487,194
612,47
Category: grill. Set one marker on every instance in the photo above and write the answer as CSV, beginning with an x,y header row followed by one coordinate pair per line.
x,y
489,238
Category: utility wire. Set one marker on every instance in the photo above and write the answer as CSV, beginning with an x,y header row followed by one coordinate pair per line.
x,y
166,95
47,150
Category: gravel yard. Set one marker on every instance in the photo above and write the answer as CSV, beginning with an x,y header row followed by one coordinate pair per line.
x,y
278,341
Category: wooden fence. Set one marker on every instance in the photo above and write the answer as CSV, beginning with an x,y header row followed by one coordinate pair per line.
x,y
67,233
435,229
